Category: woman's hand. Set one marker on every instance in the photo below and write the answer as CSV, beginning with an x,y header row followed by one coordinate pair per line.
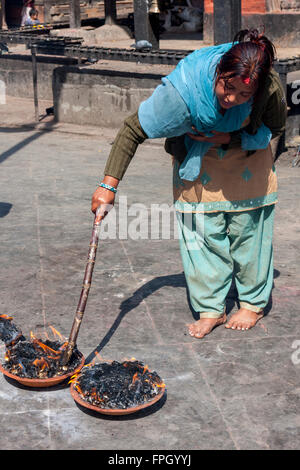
x,y
217,138
104,199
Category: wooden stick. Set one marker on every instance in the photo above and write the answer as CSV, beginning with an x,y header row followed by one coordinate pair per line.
x,y
84,292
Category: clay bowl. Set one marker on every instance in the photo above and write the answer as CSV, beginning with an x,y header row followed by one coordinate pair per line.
x,y
42,383
114,411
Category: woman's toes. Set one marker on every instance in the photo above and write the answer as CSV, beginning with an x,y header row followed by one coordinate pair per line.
x,y
241,326
196,332
204,326
191,330
243,320
237,326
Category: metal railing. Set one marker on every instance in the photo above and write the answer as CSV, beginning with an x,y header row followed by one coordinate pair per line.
x,y
72,47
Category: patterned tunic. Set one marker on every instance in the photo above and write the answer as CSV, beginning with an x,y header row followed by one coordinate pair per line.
x,y
229,180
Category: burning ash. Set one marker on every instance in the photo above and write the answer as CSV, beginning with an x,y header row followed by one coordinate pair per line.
x,y
117,385
38,360
34,358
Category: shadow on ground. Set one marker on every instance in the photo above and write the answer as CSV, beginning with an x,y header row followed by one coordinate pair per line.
x,y
5,208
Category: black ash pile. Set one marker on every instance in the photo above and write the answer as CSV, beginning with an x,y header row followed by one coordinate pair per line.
x,y
117,385
39,359
34,359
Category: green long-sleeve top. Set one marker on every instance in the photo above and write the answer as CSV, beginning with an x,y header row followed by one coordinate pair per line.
x,y
270,109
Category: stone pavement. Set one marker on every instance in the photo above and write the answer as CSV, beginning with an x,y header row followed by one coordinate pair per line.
x,y
231,390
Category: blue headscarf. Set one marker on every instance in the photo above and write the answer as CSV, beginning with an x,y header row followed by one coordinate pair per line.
x,y
187,98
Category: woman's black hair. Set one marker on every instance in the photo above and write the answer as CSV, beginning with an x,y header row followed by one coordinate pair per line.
x,y
251,58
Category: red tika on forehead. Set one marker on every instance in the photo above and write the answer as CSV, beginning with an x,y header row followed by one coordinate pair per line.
x,y
246,80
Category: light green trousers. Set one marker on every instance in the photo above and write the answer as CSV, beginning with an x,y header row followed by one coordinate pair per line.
x,y
217,247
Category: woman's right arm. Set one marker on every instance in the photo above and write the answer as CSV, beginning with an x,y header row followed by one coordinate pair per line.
x,y
121,154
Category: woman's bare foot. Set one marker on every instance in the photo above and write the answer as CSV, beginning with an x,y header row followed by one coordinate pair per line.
x,y
243,319
204,326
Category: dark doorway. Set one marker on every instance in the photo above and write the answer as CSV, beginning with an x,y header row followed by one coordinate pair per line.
x,y
13,10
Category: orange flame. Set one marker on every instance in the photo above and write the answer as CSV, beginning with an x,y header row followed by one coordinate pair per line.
x,y
6,317
125,363
43,346
135,378
94,394
97,356
56,333
40,363
7,355
73,379
160,385
77,387
63,346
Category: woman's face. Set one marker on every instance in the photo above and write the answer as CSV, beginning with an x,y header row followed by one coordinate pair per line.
x,y
233,91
